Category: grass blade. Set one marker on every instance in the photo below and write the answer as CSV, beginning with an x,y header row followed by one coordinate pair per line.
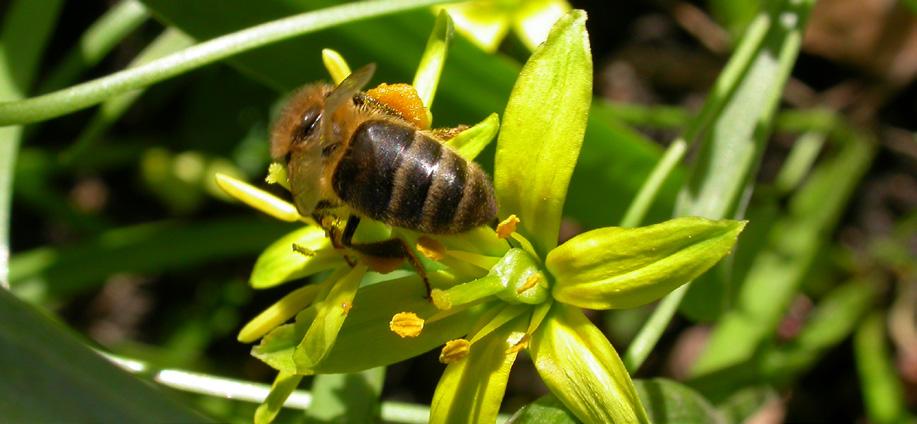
x,y
87,94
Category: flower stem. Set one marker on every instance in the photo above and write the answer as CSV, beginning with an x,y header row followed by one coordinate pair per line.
x,y
87,94
246,391
637,209
652,330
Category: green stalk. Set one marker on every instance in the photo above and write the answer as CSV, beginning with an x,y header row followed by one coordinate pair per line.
x,y
87,94
26,27
737,135
98,40
170,41
650,189
247,391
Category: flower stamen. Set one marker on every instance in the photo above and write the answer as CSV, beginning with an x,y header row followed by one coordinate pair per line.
x,y
406,324
454,351
507,227
530,282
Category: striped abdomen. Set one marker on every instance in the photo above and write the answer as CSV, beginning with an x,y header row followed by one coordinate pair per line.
x,y
392,173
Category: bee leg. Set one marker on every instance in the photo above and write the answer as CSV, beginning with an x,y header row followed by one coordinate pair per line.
x,y
337,236
386,249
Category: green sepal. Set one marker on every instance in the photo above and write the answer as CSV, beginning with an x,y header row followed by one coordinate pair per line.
x,y
472,141
582,369
329,317
367,324
666,401
283,385
542,131
471,390
278,313
617,267
280,262
434,56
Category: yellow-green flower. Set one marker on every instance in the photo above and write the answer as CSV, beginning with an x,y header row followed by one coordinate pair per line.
x,y
486,22
496,292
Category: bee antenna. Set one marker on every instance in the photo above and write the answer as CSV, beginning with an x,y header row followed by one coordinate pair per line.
x,y
343,93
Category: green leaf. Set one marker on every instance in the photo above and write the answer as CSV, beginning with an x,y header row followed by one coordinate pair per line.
x,y
582,369
471,389
627,267
47,274
542,132
434,57
367,324
282,262
793,244
26,28
883,392
669,402
547,409
734,127
49,375
350,398
96,42
471,142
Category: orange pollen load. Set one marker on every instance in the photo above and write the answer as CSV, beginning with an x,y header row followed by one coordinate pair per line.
x,y
402,98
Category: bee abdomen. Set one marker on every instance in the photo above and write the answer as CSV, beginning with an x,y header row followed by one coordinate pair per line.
x,y
403,177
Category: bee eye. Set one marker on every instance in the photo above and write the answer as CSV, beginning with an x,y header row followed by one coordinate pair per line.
x,y
310,121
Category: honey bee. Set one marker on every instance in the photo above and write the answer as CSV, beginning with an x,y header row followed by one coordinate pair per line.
x,y
343,147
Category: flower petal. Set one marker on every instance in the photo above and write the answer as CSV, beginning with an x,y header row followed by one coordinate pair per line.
x,y
367,324
626,267
534,19
282,262
336,65
483,23
583,370
543,130
434,56
471,389
471,142
258,198
283,385
330,315
278,313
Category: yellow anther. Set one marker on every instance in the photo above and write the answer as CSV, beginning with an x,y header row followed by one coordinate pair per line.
x,y
431,248
454,351
346,307
441,299
277,174
507,227
406,324
303,250
530,282
517,342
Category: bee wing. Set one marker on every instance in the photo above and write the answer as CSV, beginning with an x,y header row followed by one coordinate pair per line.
x,y
344,92
349,87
